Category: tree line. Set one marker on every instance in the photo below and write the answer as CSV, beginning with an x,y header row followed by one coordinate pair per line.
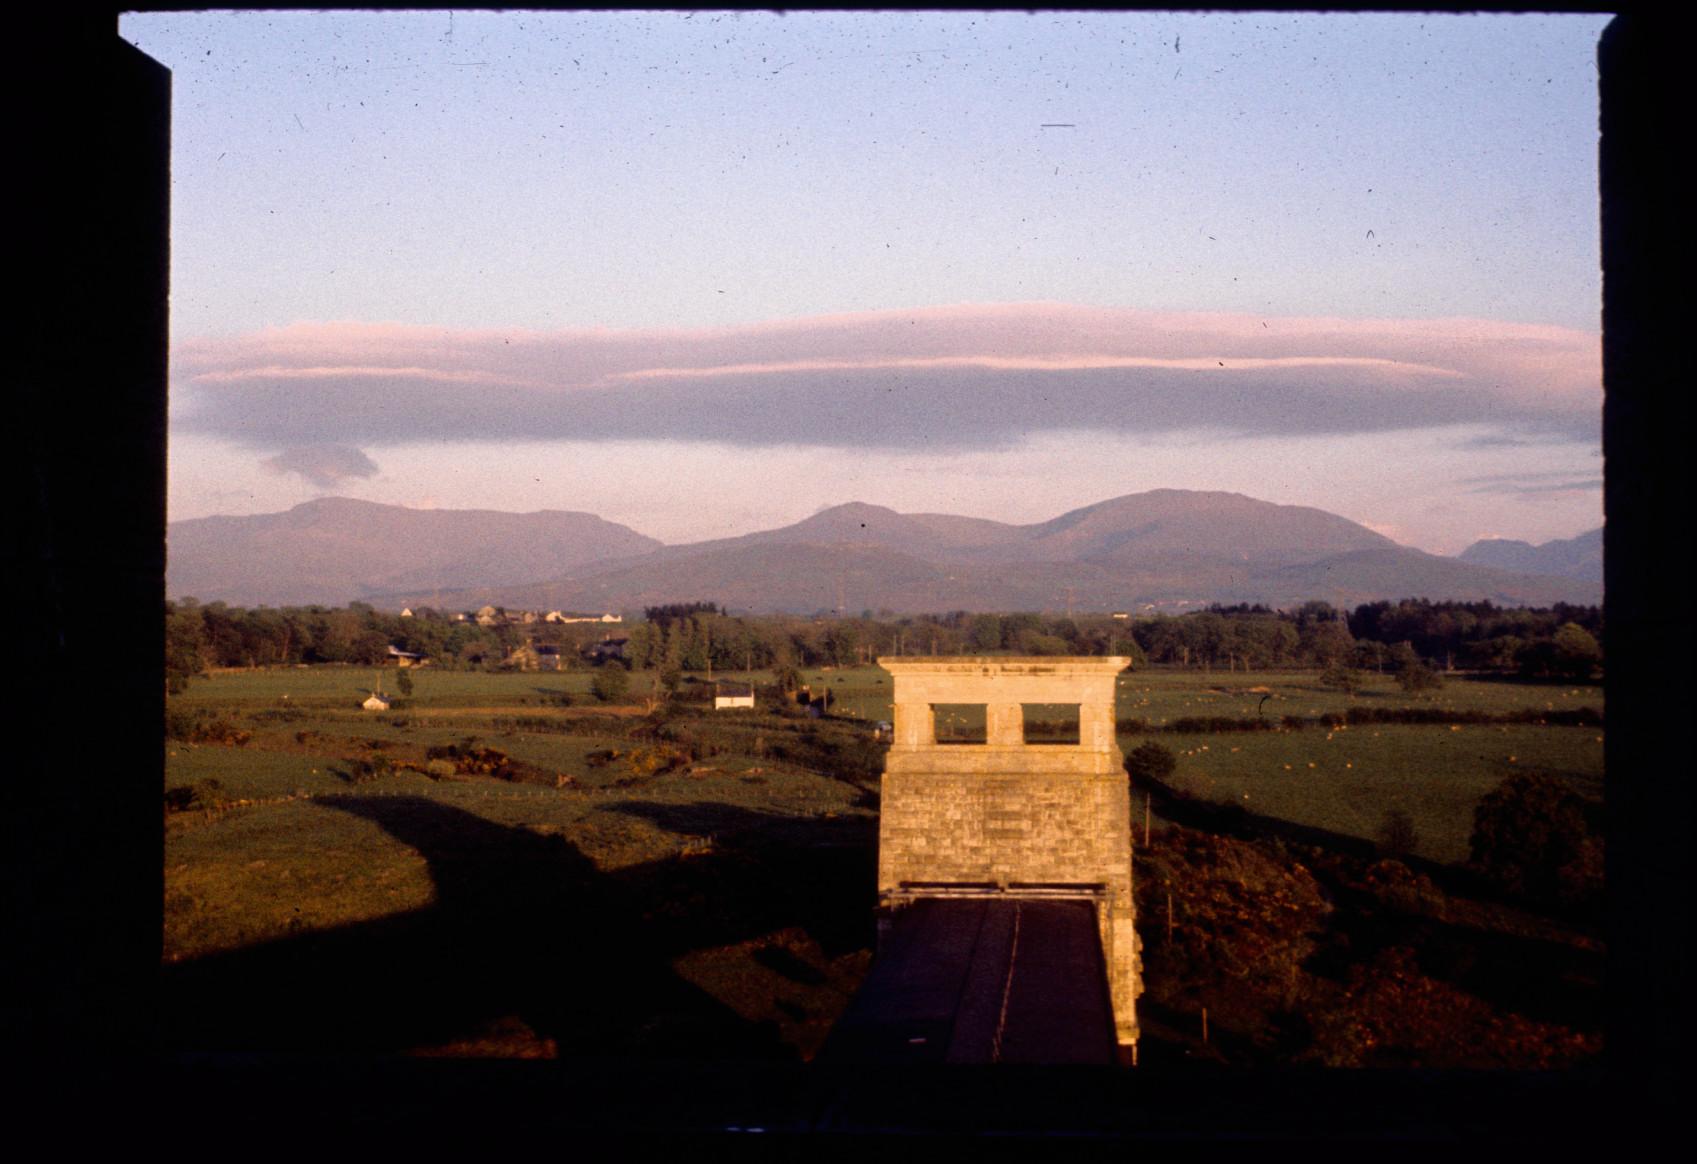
x,y
1388,637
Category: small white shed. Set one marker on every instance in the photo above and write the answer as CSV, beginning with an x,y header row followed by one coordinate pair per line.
x,y
729,694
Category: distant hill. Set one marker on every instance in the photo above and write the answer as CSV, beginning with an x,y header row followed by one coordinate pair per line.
x,y
334,551
1579,557
1167,547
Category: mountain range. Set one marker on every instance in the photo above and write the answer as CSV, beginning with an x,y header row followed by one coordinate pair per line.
x,y
1579,557
1163,548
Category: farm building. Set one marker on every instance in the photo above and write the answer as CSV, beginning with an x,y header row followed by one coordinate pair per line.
x,y
377,701
608,648
524,658
535,657
729,693
405,658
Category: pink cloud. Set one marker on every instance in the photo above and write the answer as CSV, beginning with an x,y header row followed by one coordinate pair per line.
x,y
890,375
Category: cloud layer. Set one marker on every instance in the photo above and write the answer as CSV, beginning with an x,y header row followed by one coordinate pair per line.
x,y
939,379
323,466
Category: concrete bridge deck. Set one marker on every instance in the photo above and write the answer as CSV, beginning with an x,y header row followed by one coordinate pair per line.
x,y
983,980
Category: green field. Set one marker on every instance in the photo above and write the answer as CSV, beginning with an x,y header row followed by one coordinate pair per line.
x,y
1160,696
337,687
733,844
272,791
305,722
1345,781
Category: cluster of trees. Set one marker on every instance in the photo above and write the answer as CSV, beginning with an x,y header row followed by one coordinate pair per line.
x,y
1410,638
1560,641
689,638
699,638
199,637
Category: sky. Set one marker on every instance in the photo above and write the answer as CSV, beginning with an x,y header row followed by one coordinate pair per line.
x,y
707,273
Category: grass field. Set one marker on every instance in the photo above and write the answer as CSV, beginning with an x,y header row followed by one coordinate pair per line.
x,y
1346,780
698,903
723,858
344,687
1342,780
1161,696
306,722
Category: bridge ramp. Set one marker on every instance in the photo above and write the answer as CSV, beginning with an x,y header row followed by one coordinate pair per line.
x,y
983,980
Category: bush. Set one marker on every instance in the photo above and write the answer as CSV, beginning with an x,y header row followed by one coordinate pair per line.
x,y
1393,885
1534,836
1396,833
1418,677
179,725
177,799
1150,763
610,683
203,794
1213,724
655,759
1340,676
277,715
362,769
219,732
467,759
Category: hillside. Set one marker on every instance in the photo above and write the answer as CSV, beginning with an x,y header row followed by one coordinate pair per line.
x,y
335,550
1169,523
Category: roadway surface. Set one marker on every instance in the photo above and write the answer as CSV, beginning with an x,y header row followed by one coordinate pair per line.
x,y
982,980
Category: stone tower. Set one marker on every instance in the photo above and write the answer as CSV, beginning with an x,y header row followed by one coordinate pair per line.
x,y
990,811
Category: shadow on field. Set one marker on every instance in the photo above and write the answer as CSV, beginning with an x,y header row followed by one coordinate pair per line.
x,y
1505,955
525,925
764,872
1234,820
